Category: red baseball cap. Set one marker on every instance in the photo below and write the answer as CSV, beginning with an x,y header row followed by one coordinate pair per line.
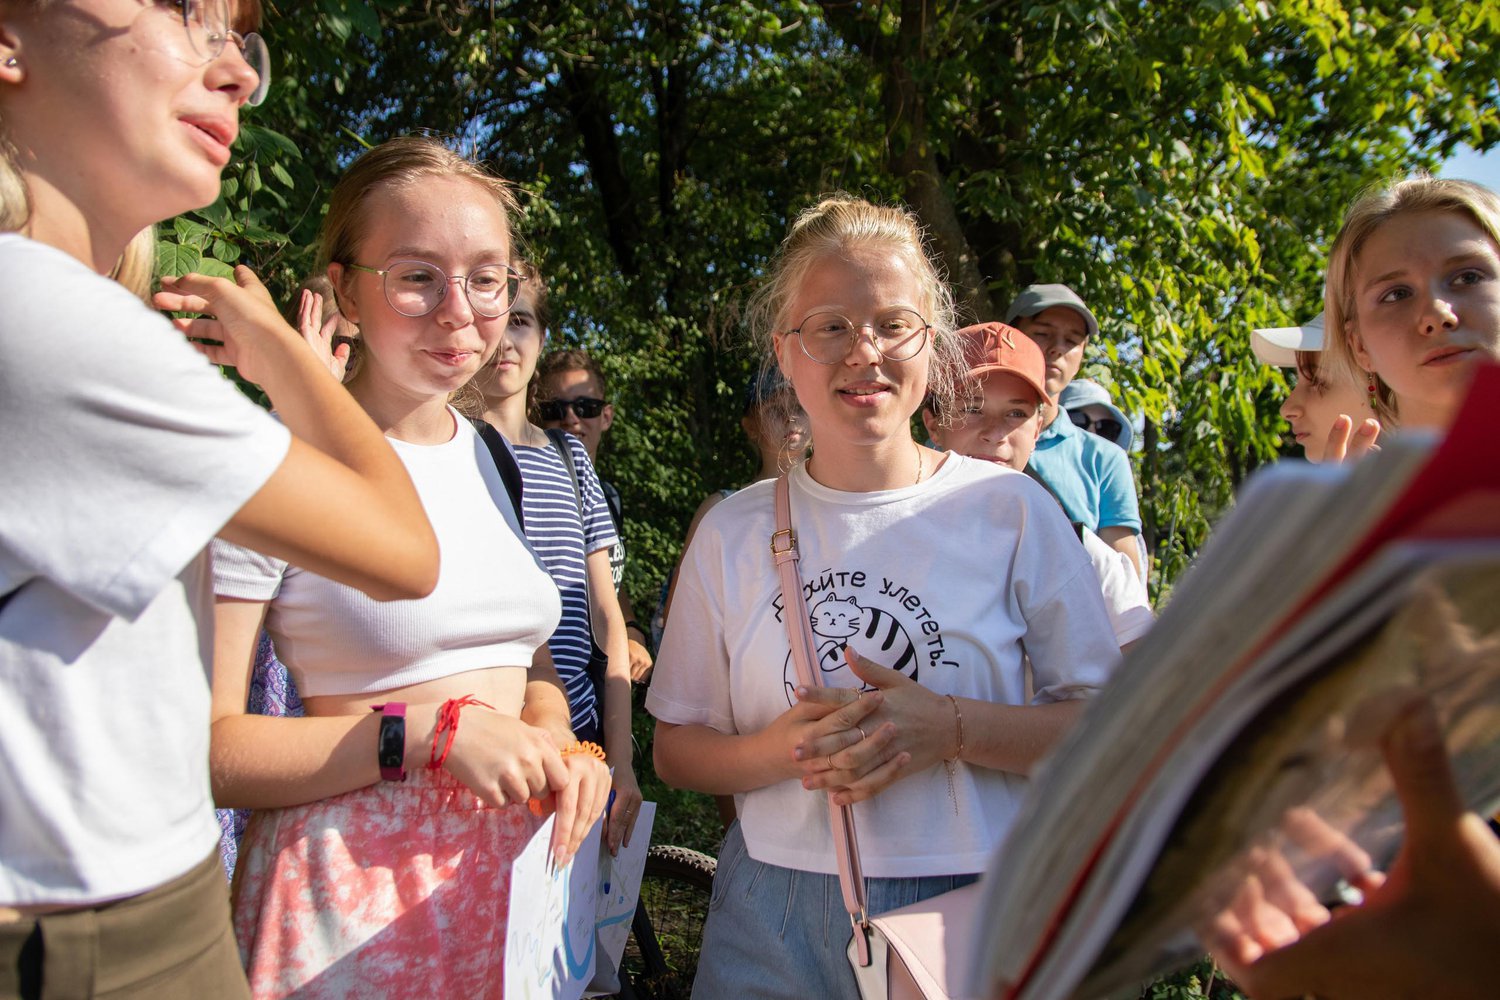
x,y
996,347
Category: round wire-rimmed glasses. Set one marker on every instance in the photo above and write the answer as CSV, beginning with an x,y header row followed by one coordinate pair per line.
x,y
828,337
207,25
415,287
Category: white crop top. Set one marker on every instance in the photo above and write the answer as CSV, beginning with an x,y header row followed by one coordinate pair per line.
x,y
494,603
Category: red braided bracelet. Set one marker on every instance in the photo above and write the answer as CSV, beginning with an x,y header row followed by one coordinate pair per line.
x,y
447,721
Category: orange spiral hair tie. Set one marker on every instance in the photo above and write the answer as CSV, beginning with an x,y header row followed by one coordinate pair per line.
x,y
585,746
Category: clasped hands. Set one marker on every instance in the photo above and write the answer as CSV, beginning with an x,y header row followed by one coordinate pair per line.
x,y
856,743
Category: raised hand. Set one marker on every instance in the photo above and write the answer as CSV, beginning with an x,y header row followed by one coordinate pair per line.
x,y
318,333
1348,443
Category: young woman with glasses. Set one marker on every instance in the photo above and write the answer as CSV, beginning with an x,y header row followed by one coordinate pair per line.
x,y
924,573
384,823
125,452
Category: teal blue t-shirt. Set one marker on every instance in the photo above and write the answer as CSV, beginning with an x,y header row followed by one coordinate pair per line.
x,y
1090,475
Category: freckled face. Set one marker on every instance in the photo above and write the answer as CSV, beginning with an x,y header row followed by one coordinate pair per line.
x,y
1000,424
455,224
1426,310
864,399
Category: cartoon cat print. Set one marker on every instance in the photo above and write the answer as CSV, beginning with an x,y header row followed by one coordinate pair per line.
x,y
882,639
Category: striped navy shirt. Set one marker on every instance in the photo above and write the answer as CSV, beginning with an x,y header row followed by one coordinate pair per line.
x,y
560,537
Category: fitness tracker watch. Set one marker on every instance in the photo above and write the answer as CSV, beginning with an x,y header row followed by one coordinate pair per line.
x,y
390,746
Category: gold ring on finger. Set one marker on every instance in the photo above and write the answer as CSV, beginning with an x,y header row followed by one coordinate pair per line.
x,y
829,758
862,734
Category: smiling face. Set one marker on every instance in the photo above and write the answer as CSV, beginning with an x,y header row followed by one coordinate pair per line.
x,y
115,111
1062,334
1000,423
515,359
1426,310
1318,399
864,399
454,223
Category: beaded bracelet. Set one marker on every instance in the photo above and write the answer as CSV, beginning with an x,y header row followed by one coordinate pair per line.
x,y
585,746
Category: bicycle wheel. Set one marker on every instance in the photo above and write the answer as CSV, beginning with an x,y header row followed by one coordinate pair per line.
x,y
661,955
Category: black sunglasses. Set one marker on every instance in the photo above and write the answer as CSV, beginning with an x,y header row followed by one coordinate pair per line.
x,y
1106,427
586,407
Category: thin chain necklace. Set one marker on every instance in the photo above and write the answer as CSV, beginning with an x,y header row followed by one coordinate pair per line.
x,y
921,464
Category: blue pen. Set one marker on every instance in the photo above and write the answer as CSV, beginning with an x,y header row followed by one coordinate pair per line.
x,y
608,808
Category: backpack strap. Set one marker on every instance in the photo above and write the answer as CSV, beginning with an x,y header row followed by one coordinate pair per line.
x,y
598,659
559,439
505,464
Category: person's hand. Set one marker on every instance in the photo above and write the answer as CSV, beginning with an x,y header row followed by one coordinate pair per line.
x,y
810,721
619,824
1430,928
577,804
1348,443
319,332
502,759
913,729
640,662
241,322
1272,906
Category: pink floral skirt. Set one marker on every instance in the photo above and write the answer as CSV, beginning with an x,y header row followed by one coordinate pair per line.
x,y
396,890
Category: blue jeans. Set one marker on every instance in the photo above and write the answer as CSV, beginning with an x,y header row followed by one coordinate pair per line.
x,y
778,932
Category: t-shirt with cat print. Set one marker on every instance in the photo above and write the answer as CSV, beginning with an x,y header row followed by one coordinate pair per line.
x,y
943,581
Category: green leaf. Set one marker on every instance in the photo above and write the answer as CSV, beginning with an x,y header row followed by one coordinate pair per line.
x,y
176,259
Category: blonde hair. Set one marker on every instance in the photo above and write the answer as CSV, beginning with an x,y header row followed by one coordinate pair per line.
x,y
404,160
836,224
1368,213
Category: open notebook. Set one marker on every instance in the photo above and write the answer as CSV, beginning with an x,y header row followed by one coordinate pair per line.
x,y
1263,687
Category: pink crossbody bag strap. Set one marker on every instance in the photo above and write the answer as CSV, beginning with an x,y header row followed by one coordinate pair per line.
x,y
799,632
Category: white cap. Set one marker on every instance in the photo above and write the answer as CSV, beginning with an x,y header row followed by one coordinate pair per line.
x,y
1279,345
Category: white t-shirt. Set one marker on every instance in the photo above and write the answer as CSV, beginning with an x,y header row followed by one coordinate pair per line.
x,y
123,452
942,581
493,605
1124,593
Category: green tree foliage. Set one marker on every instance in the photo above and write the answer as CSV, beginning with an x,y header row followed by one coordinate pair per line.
x,y
1183,164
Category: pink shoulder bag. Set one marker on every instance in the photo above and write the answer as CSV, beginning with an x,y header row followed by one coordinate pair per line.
x,y
903,954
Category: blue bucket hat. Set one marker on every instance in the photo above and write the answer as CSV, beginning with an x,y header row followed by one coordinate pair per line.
x,y
1083,392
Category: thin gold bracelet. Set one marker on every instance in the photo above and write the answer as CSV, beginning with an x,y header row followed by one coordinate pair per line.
x,y
958,721
950,764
